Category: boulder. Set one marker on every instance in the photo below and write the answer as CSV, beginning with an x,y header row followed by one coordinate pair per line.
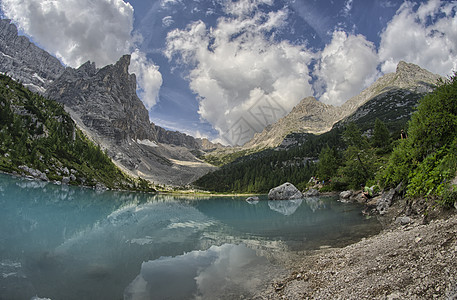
x,y
286,191
403,220
311,193
65,180
345,195
384,201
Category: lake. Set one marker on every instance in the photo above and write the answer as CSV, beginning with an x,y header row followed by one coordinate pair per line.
x,y
64,242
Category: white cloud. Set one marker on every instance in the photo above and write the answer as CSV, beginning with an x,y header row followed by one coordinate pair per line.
x,y
244,7
346,66
426,36
148,78
238,66
347,7
80,30
167,21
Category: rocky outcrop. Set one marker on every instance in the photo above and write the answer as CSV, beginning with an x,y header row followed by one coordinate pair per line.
x,y
24,61
286,191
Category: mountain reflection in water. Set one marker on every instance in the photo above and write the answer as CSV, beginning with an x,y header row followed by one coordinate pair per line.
x,y
62,242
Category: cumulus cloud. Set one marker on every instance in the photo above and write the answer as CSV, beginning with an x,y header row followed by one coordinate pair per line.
x,y
80,30
425,35
346,66
148,78
244,78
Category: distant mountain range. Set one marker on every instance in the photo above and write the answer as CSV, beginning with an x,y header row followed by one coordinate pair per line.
x,y
104,104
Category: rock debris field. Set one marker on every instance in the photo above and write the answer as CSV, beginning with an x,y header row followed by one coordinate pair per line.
x,y
411,261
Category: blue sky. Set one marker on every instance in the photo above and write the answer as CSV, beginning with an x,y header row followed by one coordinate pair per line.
x,y
204,66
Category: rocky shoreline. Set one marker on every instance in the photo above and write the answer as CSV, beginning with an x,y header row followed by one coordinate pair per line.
x,y
414,259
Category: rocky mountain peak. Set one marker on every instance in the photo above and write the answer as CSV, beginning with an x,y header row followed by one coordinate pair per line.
x,y
313,116
24,61
105,100
415,78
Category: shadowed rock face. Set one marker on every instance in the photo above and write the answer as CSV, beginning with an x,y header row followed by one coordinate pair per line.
x,y
105,100
105,105
24,61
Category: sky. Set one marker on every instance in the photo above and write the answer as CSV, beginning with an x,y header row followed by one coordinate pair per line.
x,y
225,69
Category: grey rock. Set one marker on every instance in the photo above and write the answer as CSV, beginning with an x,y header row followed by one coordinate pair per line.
x,y
286,191
403,220
25,62
311,193
34,173
183,140
345,195
385,201
65,180
100,187
65,171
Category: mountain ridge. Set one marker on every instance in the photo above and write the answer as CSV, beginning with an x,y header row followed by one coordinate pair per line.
x,y
313,116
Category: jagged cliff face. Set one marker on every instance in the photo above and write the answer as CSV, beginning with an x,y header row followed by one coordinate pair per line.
x,y
399,89
177,138
24,61
104,100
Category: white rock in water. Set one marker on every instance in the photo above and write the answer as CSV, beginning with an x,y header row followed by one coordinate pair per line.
x,y
286,191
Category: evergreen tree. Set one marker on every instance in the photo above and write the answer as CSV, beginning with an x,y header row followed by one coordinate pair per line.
x,y
381,136
328,163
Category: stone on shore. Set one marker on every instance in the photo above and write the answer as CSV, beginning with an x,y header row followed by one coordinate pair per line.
x,y
311,193
286,191
345,195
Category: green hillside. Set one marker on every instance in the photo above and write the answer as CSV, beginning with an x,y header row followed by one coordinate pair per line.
x,y
38,138
262,171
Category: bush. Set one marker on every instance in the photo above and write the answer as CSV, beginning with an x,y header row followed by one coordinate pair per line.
x,y
427,159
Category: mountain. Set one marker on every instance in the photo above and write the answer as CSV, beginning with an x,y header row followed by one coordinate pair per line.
x,y
104,104
25,62
39,139
408,83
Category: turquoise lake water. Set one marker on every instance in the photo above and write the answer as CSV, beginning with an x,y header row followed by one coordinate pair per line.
x,y
62,242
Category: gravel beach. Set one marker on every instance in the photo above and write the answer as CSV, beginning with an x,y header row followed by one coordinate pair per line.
x,y
412,258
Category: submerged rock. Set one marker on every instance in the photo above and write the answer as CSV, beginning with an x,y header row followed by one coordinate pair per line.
x,y
286,191
252,200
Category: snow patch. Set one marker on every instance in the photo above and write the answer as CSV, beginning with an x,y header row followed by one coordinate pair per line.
x,y
147,143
